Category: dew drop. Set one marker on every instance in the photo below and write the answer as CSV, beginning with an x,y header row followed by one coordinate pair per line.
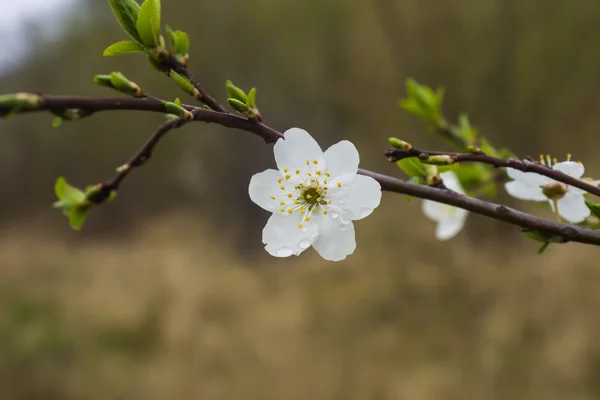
x,y
341,201
304,230
334,215
343,227
344,188
304,244
284,252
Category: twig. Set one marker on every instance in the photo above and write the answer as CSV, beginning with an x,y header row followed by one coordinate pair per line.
x,y
480,157
137,160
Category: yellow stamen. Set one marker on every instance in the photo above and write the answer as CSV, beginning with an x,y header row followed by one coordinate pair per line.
x,y
325,212
289,195
282,187
296,202
339,184
285,170
307,219
315,162
318,172
327,174
297,171
290,211
272,197
282,203
302,210
307,162
279,180
299,225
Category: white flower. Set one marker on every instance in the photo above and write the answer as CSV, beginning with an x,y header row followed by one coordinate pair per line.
x,y
313,197
450,220
536,187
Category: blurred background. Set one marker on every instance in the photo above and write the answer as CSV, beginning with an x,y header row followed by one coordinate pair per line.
x,y
167,293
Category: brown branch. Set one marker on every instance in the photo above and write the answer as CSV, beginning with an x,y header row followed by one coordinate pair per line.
x,y
563,232
480,157
137,160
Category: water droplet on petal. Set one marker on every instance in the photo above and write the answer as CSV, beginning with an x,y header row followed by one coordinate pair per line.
x,y
304,244
344,188
304,230
334,215
343,227
341,201
284,252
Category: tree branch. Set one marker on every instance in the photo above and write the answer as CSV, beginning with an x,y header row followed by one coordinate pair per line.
x,y
561,232
480,157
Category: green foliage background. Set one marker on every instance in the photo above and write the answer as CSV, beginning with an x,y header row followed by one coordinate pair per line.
x,y
167,292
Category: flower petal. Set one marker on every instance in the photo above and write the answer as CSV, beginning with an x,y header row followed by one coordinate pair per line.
x,y
572,208
523,191
358,198
264,185
570,168
451,182
342,159
449,228
440,212
296,147
283,238
530,178
336,239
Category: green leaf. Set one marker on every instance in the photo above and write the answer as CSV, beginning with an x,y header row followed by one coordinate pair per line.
x,y
126,12
235,92
124,85
252,98
238,105
465,130
182,44
56,122
487,148
184,83
422,101
77,216
148,23
412,167
594,208
171,34
123,47
66,192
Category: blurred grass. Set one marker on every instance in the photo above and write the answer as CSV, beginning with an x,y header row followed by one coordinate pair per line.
x,y
171,315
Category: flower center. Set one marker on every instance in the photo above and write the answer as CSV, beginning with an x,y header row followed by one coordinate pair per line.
x,y
555,191
303,191
312,196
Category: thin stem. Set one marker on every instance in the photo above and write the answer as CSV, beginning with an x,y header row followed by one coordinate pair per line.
x,y
137,160
480,157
